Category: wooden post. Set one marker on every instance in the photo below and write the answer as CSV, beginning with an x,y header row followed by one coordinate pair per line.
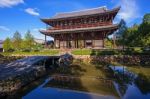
x,y
103,39
114,41
54,42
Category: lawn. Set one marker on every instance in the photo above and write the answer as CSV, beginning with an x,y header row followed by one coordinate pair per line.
x,y
95,52
82,52
32,53
129,51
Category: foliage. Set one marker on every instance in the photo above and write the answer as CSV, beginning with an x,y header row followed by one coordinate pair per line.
x,y
25,45
122,29
120,34
137,35
29,40
108,43
146,18
37,47
17,40
7,45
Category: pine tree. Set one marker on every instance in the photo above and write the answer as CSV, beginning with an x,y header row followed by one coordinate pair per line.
x,y
29,40
17,40
7,45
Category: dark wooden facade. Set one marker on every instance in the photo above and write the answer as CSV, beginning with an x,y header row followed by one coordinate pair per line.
x,y
82,29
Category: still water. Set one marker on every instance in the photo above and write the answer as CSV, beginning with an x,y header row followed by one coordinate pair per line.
x,y
42,92
128,86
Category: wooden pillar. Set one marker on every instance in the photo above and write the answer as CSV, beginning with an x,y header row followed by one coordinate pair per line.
x,y
103,39
59,43
93,43
54,42
111,18
114,41
84,43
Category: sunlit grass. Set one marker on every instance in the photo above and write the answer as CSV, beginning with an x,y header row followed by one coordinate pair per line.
x,y
32,53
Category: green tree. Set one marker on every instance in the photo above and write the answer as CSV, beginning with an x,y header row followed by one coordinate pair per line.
x,y
146,18
108,43
122,28
121,33
17,40
7,45
144,34
138,35
29,40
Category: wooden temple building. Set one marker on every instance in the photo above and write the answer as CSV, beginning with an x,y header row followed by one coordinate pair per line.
x,y
81,29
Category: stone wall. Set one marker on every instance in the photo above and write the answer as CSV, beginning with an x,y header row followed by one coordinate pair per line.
x,y
122,59
10,85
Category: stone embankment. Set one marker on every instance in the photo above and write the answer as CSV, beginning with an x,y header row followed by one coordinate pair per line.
x,y
19,73
123,59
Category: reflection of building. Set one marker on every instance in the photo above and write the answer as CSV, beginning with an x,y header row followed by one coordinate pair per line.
x,y
86,28
1,46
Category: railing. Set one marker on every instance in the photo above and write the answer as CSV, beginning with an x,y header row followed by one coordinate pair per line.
x,y
80,26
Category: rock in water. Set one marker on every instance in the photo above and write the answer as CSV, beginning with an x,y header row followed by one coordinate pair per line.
x,y
65,60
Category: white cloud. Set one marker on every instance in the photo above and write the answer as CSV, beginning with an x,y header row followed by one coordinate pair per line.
x,y
3,28
129,10
10,3
32,11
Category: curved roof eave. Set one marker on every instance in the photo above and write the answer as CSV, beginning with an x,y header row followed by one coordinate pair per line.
x,y
77,30
108,11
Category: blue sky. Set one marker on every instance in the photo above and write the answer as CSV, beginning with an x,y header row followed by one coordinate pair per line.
x,y
23,15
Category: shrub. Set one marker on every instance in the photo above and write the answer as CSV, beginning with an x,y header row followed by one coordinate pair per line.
x,y
26,50
107,52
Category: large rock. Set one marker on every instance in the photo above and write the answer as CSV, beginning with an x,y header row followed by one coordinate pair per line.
x,y
65,60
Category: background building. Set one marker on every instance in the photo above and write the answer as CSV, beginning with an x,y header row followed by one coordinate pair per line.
x,y
1,46
81,29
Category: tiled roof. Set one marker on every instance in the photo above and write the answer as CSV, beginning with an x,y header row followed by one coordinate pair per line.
x,y
77,30
94,11
82,12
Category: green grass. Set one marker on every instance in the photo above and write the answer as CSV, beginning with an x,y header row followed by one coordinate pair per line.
x,y
81,52
32,53
94,52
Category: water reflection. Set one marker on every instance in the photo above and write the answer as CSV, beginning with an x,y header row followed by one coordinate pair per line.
x,y
42,92
130,85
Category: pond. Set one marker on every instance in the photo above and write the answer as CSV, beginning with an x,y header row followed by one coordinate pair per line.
x,y
127,88
42,92
128,83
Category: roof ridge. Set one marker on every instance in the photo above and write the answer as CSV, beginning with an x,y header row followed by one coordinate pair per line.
x,y
104,7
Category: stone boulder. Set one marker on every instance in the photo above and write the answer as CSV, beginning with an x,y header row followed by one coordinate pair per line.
x,y
65,60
